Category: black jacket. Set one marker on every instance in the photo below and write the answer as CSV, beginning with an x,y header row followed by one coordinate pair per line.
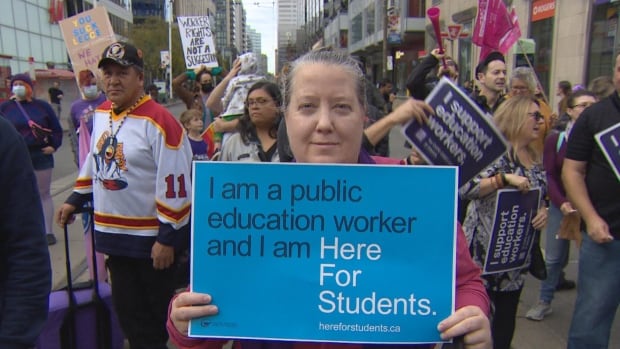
x,y
25,272
419,84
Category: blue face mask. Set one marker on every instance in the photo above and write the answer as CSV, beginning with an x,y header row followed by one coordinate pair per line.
x,y
90,91
19,91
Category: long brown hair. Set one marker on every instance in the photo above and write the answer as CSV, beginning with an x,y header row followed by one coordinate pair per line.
x,y
510,118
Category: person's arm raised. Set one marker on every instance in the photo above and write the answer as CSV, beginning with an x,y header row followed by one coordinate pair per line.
x,y
186,95
409,110
214,102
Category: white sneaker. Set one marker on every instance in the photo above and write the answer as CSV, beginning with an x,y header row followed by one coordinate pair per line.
x,y
539,311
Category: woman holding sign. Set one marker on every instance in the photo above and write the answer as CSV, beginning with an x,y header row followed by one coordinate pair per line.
x,y
325,105
521,169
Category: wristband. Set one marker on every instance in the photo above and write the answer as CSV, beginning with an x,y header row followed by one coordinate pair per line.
x,y
503,176
191,74
499,180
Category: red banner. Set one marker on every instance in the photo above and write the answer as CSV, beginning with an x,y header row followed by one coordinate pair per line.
x,y
57,10
512,36
495,29
543,9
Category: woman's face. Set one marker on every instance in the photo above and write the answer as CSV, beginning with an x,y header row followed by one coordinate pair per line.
x,y
519,87
581,103
325,118
532,126
262,108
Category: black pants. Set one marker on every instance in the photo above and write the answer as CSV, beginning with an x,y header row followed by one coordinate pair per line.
x,y
504,317
141,295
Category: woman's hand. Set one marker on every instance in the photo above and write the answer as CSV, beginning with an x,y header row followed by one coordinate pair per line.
x,y
415,158
470,322
540,220
567,208
48,150
190,305
410,109
519,182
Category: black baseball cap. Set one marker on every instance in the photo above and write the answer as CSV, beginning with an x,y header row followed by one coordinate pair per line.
x,y
493,56
122,53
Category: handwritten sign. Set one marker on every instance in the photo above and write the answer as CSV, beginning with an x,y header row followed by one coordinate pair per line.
x,y
512,236
609,141
460,134
86,35
326,246
197,39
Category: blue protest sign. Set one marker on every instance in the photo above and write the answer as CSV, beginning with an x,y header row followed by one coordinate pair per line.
x,y
335,253
609,141
512,234
460,134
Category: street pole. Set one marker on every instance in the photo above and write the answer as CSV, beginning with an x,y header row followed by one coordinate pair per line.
x,y
385,30
170,16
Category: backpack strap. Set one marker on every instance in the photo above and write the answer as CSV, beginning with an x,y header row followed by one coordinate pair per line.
x,y
558,144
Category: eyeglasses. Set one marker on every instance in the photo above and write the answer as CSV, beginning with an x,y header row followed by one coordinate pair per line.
x,y
259,102
582,105
536,115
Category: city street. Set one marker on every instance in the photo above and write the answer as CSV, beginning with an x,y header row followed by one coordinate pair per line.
x,y
548,334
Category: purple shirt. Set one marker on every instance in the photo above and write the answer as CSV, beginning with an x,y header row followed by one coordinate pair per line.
x,y
199,149
553,160
85,109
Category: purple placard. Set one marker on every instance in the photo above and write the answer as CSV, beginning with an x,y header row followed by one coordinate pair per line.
x,y
609,141
460,134
511,237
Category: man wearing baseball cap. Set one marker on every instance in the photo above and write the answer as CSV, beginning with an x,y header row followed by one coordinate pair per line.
x,y
138,175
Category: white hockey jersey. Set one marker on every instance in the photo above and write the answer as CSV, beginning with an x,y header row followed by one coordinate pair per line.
x,y
139,177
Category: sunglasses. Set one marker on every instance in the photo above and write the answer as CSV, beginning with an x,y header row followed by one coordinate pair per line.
x,y
536,115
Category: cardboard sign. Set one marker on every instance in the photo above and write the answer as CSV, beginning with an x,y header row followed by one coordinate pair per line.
x,y
609,141
459,134
512,234
325,253
197,39
86,35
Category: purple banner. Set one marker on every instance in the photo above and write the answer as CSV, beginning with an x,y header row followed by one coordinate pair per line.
x,y
460,134
511,237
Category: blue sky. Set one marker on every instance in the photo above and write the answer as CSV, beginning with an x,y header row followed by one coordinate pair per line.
x,y
262,15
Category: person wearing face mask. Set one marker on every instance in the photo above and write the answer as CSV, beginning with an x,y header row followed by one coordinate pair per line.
x,y
38,124
200,86
81,116
82,111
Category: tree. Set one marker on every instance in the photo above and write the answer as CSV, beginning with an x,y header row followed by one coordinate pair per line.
x,y
151,36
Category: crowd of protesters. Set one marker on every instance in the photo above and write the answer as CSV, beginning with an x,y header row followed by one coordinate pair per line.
x,y
127,145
